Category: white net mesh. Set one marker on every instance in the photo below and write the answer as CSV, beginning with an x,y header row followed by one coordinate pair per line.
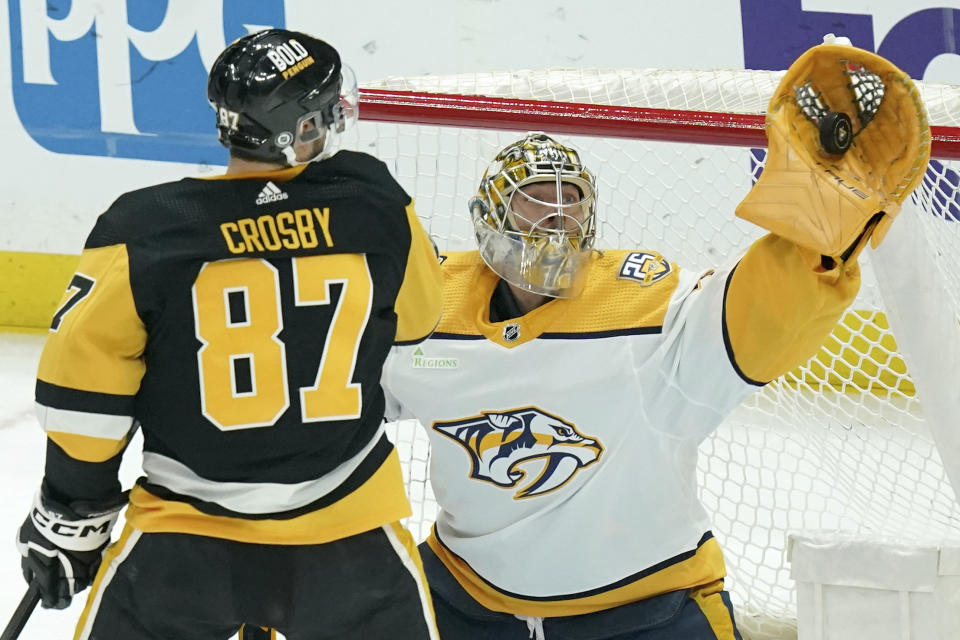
x,y
842,443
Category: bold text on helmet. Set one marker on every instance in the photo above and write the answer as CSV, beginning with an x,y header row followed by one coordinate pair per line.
x,y
287,54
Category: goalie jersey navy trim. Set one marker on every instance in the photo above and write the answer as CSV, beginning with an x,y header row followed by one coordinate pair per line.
x,y
649,571
701,565
612,333
726,334
586,335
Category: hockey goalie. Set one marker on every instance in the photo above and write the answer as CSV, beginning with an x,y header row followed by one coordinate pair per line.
x,y
577,384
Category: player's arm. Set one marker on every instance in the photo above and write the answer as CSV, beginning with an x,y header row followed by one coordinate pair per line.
x,y
92,363
780,302
418,304
780,306
88,377
848,142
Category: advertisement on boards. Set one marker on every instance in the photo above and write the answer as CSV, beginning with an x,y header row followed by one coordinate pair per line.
x,y
104,96
126,79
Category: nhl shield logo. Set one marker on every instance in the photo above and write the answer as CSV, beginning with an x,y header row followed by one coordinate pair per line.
x,y
527,447
511,332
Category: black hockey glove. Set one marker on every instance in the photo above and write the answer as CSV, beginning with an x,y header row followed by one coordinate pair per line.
x,y
62,545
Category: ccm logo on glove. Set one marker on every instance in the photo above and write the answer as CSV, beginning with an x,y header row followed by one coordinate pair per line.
x,y
53,527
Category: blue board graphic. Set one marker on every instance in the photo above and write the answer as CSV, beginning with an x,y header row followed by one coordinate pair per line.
x,y
125,78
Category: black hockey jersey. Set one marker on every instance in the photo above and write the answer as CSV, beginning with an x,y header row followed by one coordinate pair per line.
x,y
242,324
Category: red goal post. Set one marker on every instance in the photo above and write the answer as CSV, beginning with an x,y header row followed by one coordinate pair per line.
x,y
861,439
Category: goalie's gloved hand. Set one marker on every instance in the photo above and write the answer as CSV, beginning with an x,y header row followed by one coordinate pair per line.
x,y
62,545
848,141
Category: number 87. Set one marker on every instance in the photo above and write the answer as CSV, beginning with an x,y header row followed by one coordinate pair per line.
x,y
242,362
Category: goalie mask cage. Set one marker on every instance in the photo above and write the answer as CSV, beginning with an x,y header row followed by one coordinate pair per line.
x,y
863,438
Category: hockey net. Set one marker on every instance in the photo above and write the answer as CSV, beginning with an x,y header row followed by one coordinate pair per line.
x,y
860,439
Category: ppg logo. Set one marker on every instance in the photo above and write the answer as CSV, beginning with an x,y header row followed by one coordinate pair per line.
x,y
125,79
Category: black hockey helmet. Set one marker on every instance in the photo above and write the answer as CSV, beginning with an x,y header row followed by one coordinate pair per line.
x,y
266,85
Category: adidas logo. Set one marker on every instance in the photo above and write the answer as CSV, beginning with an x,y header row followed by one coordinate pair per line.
x,y
271,193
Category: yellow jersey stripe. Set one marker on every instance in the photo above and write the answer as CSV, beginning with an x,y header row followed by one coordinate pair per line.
x,y
406,548
87,448
115,554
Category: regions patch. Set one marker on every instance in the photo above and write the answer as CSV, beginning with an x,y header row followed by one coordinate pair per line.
x,y
421,360
644,267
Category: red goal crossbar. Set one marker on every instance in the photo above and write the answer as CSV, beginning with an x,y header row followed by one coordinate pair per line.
x,y
704,127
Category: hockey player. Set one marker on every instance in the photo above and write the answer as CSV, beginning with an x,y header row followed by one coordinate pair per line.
x,y
241,323
576,385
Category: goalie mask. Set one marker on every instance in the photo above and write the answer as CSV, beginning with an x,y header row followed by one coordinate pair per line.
x,y
535,217
275,89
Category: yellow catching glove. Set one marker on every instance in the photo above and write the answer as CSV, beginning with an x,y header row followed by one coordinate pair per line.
x,y
848,142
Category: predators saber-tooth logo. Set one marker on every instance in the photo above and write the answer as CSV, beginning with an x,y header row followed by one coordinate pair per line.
x,y
507,447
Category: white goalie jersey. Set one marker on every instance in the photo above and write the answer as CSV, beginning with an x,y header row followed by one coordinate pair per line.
x,y
564,442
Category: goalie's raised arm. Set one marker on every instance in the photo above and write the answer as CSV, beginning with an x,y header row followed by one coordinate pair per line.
x,y
848,141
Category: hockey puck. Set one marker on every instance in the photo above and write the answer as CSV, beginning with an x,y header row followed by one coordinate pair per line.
x,y
836,133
